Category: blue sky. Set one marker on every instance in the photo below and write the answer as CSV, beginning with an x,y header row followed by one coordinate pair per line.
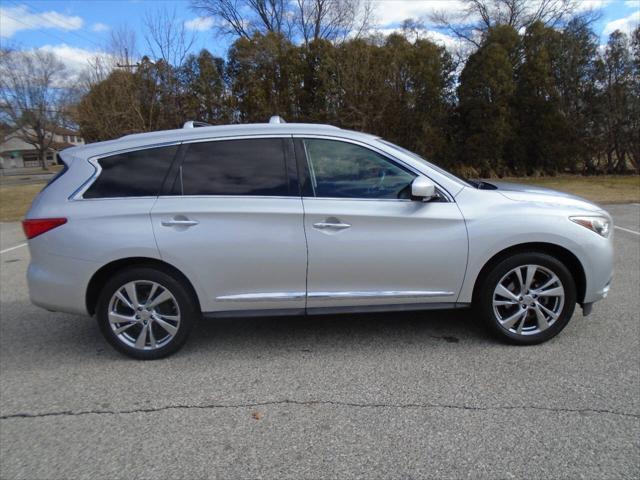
x,y
78,29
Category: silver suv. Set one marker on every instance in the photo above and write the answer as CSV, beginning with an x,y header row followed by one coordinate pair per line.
x,y
152,231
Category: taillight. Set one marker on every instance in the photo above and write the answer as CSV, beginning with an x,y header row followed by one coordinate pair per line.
x,y
34,227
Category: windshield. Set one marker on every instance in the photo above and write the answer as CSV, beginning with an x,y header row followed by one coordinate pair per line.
x,y
449,175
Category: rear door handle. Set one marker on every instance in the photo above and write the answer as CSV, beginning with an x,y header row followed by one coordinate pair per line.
x,y
179,223
335,226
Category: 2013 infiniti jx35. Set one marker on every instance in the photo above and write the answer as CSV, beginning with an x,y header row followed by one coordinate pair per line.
x,y
151,232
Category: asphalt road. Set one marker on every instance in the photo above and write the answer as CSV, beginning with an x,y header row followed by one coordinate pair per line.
x,y
416,395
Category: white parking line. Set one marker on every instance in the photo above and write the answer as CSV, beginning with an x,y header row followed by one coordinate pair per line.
x,y
13,248
627,230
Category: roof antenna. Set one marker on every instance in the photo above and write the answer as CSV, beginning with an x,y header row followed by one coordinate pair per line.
x,y
276,119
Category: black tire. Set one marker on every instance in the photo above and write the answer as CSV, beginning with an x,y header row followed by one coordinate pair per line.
x,y
484,297
187,304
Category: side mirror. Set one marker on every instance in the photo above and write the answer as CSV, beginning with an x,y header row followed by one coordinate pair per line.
x,y
423,189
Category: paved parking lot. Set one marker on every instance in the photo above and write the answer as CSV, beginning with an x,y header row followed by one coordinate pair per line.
x,y
396,395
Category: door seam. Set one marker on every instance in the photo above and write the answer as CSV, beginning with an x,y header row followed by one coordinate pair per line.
x,y
306,243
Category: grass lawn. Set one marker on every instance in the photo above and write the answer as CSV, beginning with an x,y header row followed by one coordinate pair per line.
x,y
16,199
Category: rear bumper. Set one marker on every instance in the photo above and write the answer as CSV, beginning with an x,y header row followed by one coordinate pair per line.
x,y
59,283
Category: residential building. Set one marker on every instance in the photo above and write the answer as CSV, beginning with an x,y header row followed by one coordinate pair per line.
x,y
16,153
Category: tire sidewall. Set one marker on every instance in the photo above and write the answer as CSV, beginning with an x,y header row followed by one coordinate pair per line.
x,y
508,264
186,303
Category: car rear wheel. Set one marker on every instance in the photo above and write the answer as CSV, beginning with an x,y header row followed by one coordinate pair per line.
x,y
146,313
527,298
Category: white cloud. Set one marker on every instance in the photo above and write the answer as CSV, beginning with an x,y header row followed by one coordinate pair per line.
x,y
16,19
200,24
447,41
389,13
633,4
75,59
439,38
586,5
626,24
100,27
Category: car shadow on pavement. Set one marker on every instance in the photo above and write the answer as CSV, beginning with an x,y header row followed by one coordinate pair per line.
x,y
61,335
341,331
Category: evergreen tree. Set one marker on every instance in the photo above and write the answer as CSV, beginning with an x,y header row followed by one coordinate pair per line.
x,y
486,90
540,142
203,88
265,74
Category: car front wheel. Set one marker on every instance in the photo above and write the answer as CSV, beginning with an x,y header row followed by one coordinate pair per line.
x,y
527,298
145,313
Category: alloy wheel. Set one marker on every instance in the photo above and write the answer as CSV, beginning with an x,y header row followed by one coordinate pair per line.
x,y
528,299
144,315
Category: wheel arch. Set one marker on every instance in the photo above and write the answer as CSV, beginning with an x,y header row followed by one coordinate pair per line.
x,y
101,276
565,256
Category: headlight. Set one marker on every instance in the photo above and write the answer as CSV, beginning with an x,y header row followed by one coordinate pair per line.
x,y
600,225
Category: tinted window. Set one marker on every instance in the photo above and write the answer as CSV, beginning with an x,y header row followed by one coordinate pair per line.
x,y
235,167
132,174
344,170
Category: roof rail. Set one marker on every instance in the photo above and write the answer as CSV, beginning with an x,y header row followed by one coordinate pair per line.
x,y
276,119
195,123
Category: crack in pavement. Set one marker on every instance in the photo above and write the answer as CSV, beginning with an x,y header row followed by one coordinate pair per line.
x,y
308,403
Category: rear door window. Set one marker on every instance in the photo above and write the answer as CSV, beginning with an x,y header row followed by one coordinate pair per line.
x,y
132,174
234,167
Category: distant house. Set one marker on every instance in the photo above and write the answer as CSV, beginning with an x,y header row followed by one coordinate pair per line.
x,y
16,153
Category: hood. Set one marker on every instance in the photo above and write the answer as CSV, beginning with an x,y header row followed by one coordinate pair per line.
x,y
529,193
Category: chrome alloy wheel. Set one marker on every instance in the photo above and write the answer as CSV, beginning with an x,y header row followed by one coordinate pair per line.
x,y
528,299
144,315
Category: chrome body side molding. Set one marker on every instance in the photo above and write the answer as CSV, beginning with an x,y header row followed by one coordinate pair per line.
x,y
378,294
262,297
279,296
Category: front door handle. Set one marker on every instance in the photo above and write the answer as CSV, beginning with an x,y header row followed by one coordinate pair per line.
x,y
174,222
331,225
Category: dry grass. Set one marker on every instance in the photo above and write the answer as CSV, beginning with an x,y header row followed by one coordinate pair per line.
x,y
16,199
602,189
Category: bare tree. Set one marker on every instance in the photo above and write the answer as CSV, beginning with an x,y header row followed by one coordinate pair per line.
x,y
332,19
478,16
166,36
32,96
306,19
243,18
122,47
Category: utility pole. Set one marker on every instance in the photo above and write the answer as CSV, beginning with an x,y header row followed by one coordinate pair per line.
x,y
126,63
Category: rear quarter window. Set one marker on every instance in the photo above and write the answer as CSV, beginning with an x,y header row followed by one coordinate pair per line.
x,y
132,174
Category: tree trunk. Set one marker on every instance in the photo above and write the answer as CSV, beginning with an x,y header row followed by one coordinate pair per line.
x,y
43,159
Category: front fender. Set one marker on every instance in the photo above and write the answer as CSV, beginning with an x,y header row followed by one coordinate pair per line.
x,y
495,224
